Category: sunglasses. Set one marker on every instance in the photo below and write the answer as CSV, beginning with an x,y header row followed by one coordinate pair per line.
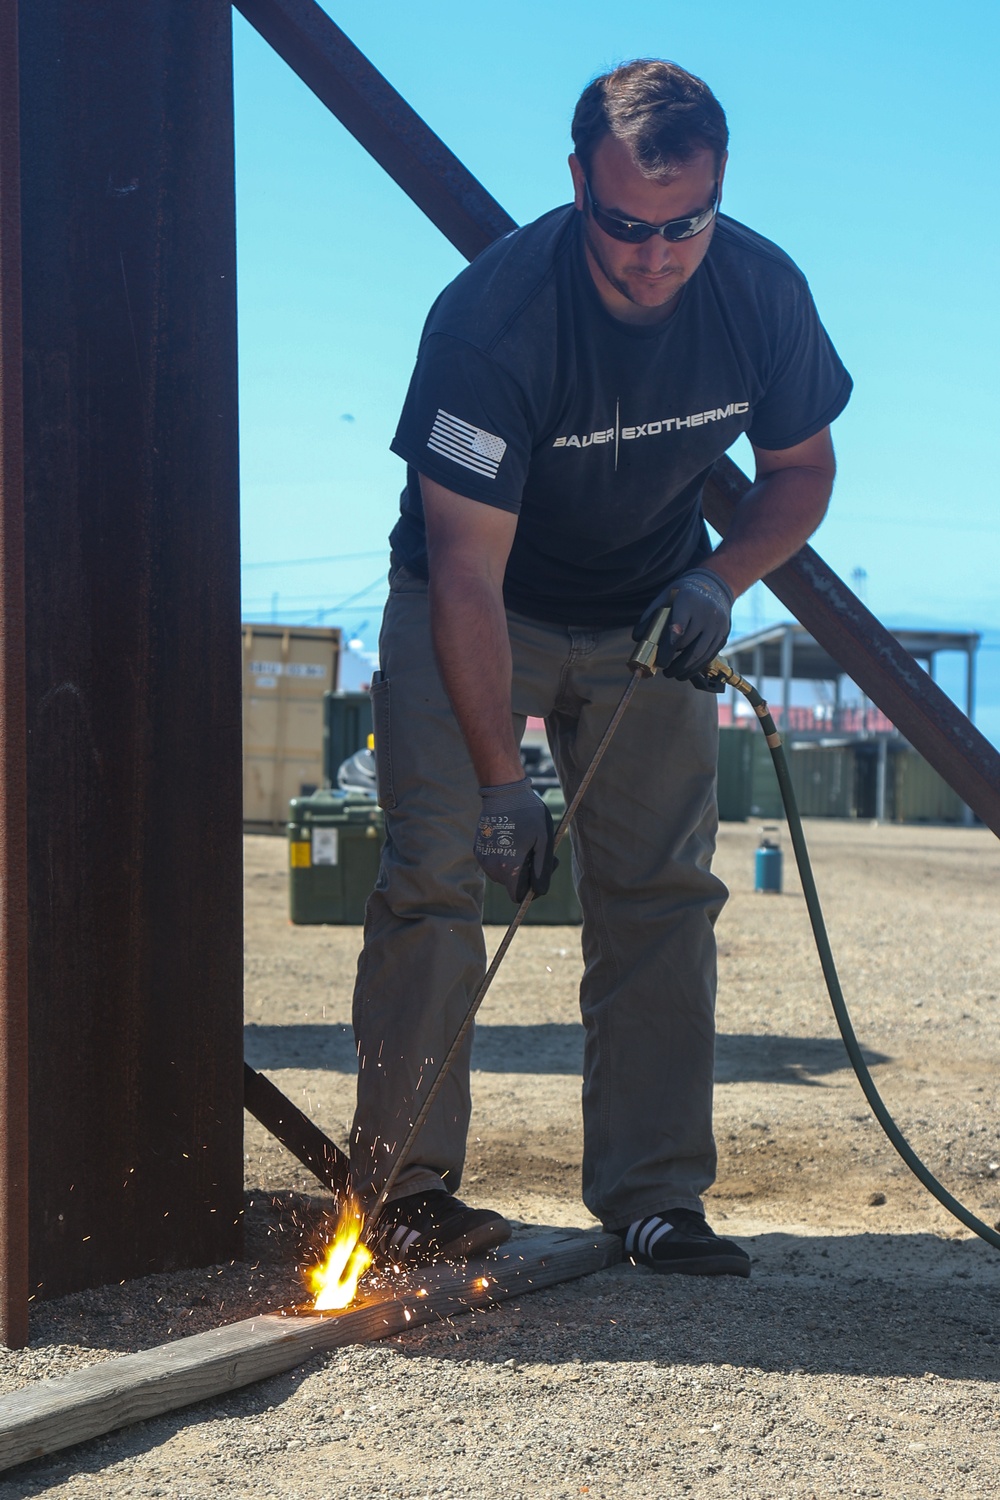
x,y
636,232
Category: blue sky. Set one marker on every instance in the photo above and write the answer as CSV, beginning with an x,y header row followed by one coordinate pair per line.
x,y
862,142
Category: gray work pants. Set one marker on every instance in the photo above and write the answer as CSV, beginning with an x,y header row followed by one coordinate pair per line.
x,y
642,846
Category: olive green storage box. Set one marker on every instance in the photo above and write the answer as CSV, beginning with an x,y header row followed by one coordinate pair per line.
x,y
334,843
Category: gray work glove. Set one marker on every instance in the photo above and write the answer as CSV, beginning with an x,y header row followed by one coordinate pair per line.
x,y
515,838
700,621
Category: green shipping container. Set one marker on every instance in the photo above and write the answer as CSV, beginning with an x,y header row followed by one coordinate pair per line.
x,y
823,779
735,774
334,843
765,798
347,723
920,795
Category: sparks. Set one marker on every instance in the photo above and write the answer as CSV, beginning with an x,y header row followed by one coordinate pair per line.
x,y
334,1281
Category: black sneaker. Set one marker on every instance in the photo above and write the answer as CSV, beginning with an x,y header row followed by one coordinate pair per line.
x,y
435,1226
680,1240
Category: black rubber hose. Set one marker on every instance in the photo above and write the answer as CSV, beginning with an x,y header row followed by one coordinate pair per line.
x,y
882,1115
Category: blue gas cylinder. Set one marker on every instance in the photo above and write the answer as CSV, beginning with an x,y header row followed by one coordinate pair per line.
x,y
767,864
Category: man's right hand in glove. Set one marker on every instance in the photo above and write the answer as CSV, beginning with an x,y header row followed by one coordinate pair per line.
x,y
700,621
515,838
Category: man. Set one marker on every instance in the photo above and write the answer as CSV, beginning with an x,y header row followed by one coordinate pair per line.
x,y
572,390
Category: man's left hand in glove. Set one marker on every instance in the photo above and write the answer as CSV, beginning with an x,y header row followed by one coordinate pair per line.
x,y
700,621
515,838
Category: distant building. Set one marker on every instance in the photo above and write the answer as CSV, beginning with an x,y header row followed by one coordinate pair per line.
x,y
869,770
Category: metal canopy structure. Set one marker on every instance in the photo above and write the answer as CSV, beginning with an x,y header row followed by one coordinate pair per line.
x,y
120,900
788,652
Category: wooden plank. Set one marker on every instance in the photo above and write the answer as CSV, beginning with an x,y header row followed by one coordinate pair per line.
x,y
54,1414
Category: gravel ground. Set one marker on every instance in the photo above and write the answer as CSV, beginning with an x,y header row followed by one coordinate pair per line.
x,y
862,1358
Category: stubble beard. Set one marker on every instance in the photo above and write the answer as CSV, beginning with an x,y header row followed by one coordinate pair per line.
x,y
670,288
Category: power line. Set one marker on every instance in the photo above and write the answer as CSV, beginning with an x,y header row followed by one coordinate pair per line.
x,y
321,611
301,562
360,593
908,521
319,601
249,612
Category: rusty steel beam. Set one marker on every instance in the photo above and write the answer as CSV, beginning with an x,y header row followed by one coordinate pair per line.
x,y
133,631
341,76
13,785
381,120
880,666
286,1122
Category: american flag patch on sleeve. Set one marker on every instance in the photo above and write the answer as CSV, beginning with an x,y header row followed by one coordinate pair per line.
x,y
472,447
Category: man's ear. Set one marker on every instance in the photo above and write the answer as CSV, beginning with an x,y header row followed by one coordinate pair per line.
x,y
722,172
576,172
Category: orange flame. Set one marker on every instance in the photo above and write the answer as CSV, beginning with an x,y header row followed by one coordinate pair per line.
x,y
334,1281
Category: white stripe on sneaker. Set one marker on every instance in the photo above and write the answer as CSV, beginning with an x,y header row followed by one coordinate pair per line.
x,y
655,1227
657,1234
630,1234
643,1234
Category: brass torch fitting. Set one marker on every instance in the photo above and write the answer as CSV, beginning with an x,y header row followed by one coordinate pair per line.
x,y
721,668
643,658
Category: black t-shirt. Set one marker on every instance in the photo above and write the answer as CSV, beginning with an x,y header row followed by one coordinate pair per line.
x,y
599,435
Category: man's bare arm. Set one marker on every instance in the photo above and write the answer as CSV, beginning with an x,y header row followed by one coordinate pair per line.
x,y
779,513
468,545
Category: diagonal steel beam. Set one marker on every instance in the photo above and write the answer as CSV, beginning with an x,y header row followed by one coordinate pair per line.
x,y
296,1132
343,78
301,33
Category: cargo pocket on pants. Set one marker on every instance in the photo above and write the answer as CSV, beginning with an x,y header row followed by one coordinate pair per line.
x,y
383,755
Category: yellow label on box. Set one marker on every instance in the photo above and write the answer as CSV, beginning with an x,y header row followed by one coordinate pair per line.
x,y
300,855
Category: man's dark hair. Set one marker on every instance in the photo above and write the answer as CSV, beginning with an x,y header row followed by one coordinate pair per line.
x,y
663,114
